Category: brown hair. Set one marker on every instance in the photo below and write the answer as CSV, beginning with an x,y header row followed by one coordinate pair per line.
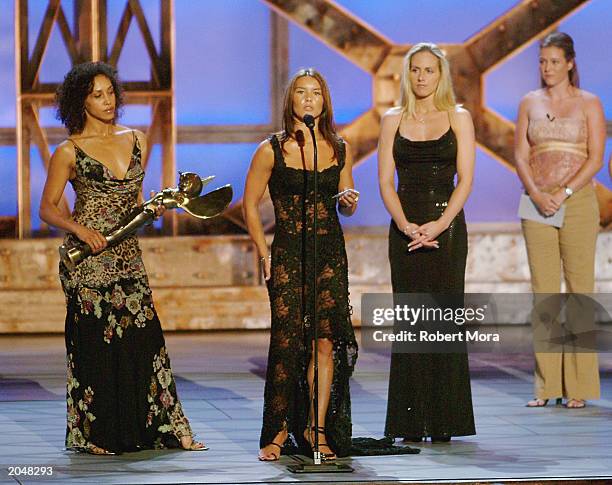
x,y
326,124
564,42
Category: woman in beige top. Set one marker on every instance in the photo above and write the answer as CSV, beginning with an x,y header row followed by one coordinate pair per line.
x,y
559,147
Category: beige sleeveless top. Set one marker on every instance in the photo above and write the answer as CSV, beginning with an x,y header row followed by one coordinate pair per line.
x,y
558,150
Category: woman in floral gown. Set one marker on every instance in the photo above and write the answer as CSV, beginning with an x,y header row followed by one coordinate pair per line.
x,y
277,164
121,394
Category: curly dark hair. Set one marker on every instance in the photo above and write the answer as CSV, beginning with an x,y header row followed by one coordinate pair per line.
x,y
78,84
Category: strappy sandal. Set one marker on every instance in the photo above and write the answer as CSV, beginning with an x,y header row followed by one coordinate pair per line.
x,y
275,456
573,403
194,445
324,456
96,450
537,403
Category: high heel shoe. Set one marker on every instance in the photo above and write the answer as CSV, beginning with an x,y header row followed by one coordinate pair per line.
x,y
321,431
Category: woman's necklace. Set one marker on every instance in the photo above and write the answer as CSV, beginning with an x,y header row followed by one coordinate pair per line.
x,y
421,119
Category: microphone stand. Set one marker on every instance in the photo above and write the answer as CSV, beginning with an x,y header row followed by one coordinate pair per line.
x,y
317,465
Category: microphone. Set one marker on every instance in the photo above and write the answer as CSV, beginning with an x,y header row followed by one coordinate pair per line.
x,y
299,137
309,121
550,118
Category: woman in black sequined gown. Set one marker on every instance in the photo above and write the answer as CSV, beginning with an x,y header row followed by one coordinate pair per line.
x,y
277,164
427,140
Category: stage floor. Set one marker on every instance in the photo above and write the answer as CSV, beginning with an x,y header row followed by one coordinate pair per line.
x,y
220,382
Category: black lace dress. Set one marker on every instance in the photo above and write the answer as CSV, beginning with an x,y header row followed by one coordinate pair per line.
x,y
286,396
429,394
121,394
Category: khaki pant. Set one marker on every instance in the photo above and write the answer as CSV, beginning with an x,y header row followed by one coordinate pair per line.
x,y
568,374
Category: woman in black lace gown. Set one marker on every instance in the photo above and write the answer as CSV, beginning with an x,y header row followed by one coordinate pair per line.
x,y
121,394
427,140
277,164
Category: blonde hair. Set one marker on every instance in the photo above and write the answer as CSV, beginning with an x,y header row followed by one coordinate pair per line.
x,y
444,97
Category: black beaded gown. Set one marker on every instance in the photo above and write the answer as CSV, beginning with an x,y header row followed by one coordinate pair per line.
x,y
429,394
121,394
286,396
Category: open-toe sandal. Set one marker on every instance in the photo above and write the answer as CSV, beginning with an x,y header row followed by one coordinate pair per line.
x,y
96,450
194,445
575,403
321,431
275,456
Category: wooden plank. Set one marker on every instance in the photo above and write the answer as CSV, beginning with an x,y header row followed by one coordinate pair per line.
x,y
86,29
212,282
339,29
24,202
279,67
103,29
172,262
22,54
513,30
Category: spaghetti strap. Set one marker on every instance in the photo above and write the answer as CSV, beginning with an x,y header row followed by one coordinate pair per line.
x,y
76,146
401,118
341,153
135,141
279,159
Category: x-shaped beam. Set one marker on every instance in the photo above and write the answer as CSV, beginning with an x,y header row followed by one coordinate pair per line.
x,y
470,61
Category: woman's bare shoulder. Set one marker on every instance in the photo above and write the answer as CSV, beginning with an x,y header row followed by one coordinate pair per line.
x,y
65,150
459,112
393,113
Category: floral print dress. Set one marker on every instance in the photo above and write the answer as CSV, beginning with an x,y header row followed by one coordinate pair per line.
x,y
286,396
121,394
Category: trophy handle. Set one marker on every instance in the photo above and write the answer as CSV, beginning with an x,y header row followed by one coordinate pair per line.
x,y
73,256
141,216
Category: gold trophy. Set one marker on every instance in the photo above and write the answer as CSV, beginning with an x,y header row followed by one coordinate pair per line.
x,y
186,196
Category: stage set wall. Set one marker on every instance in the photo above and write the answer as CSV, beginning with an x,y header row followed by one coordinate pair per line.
x,y
222,77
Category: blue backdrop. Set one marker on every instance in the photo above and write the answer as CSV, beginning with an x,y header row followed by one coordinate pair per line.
x,y
222,77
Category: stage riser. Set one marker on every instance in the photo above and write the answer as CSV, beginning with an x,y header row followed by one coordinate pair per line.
x,y
213,282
